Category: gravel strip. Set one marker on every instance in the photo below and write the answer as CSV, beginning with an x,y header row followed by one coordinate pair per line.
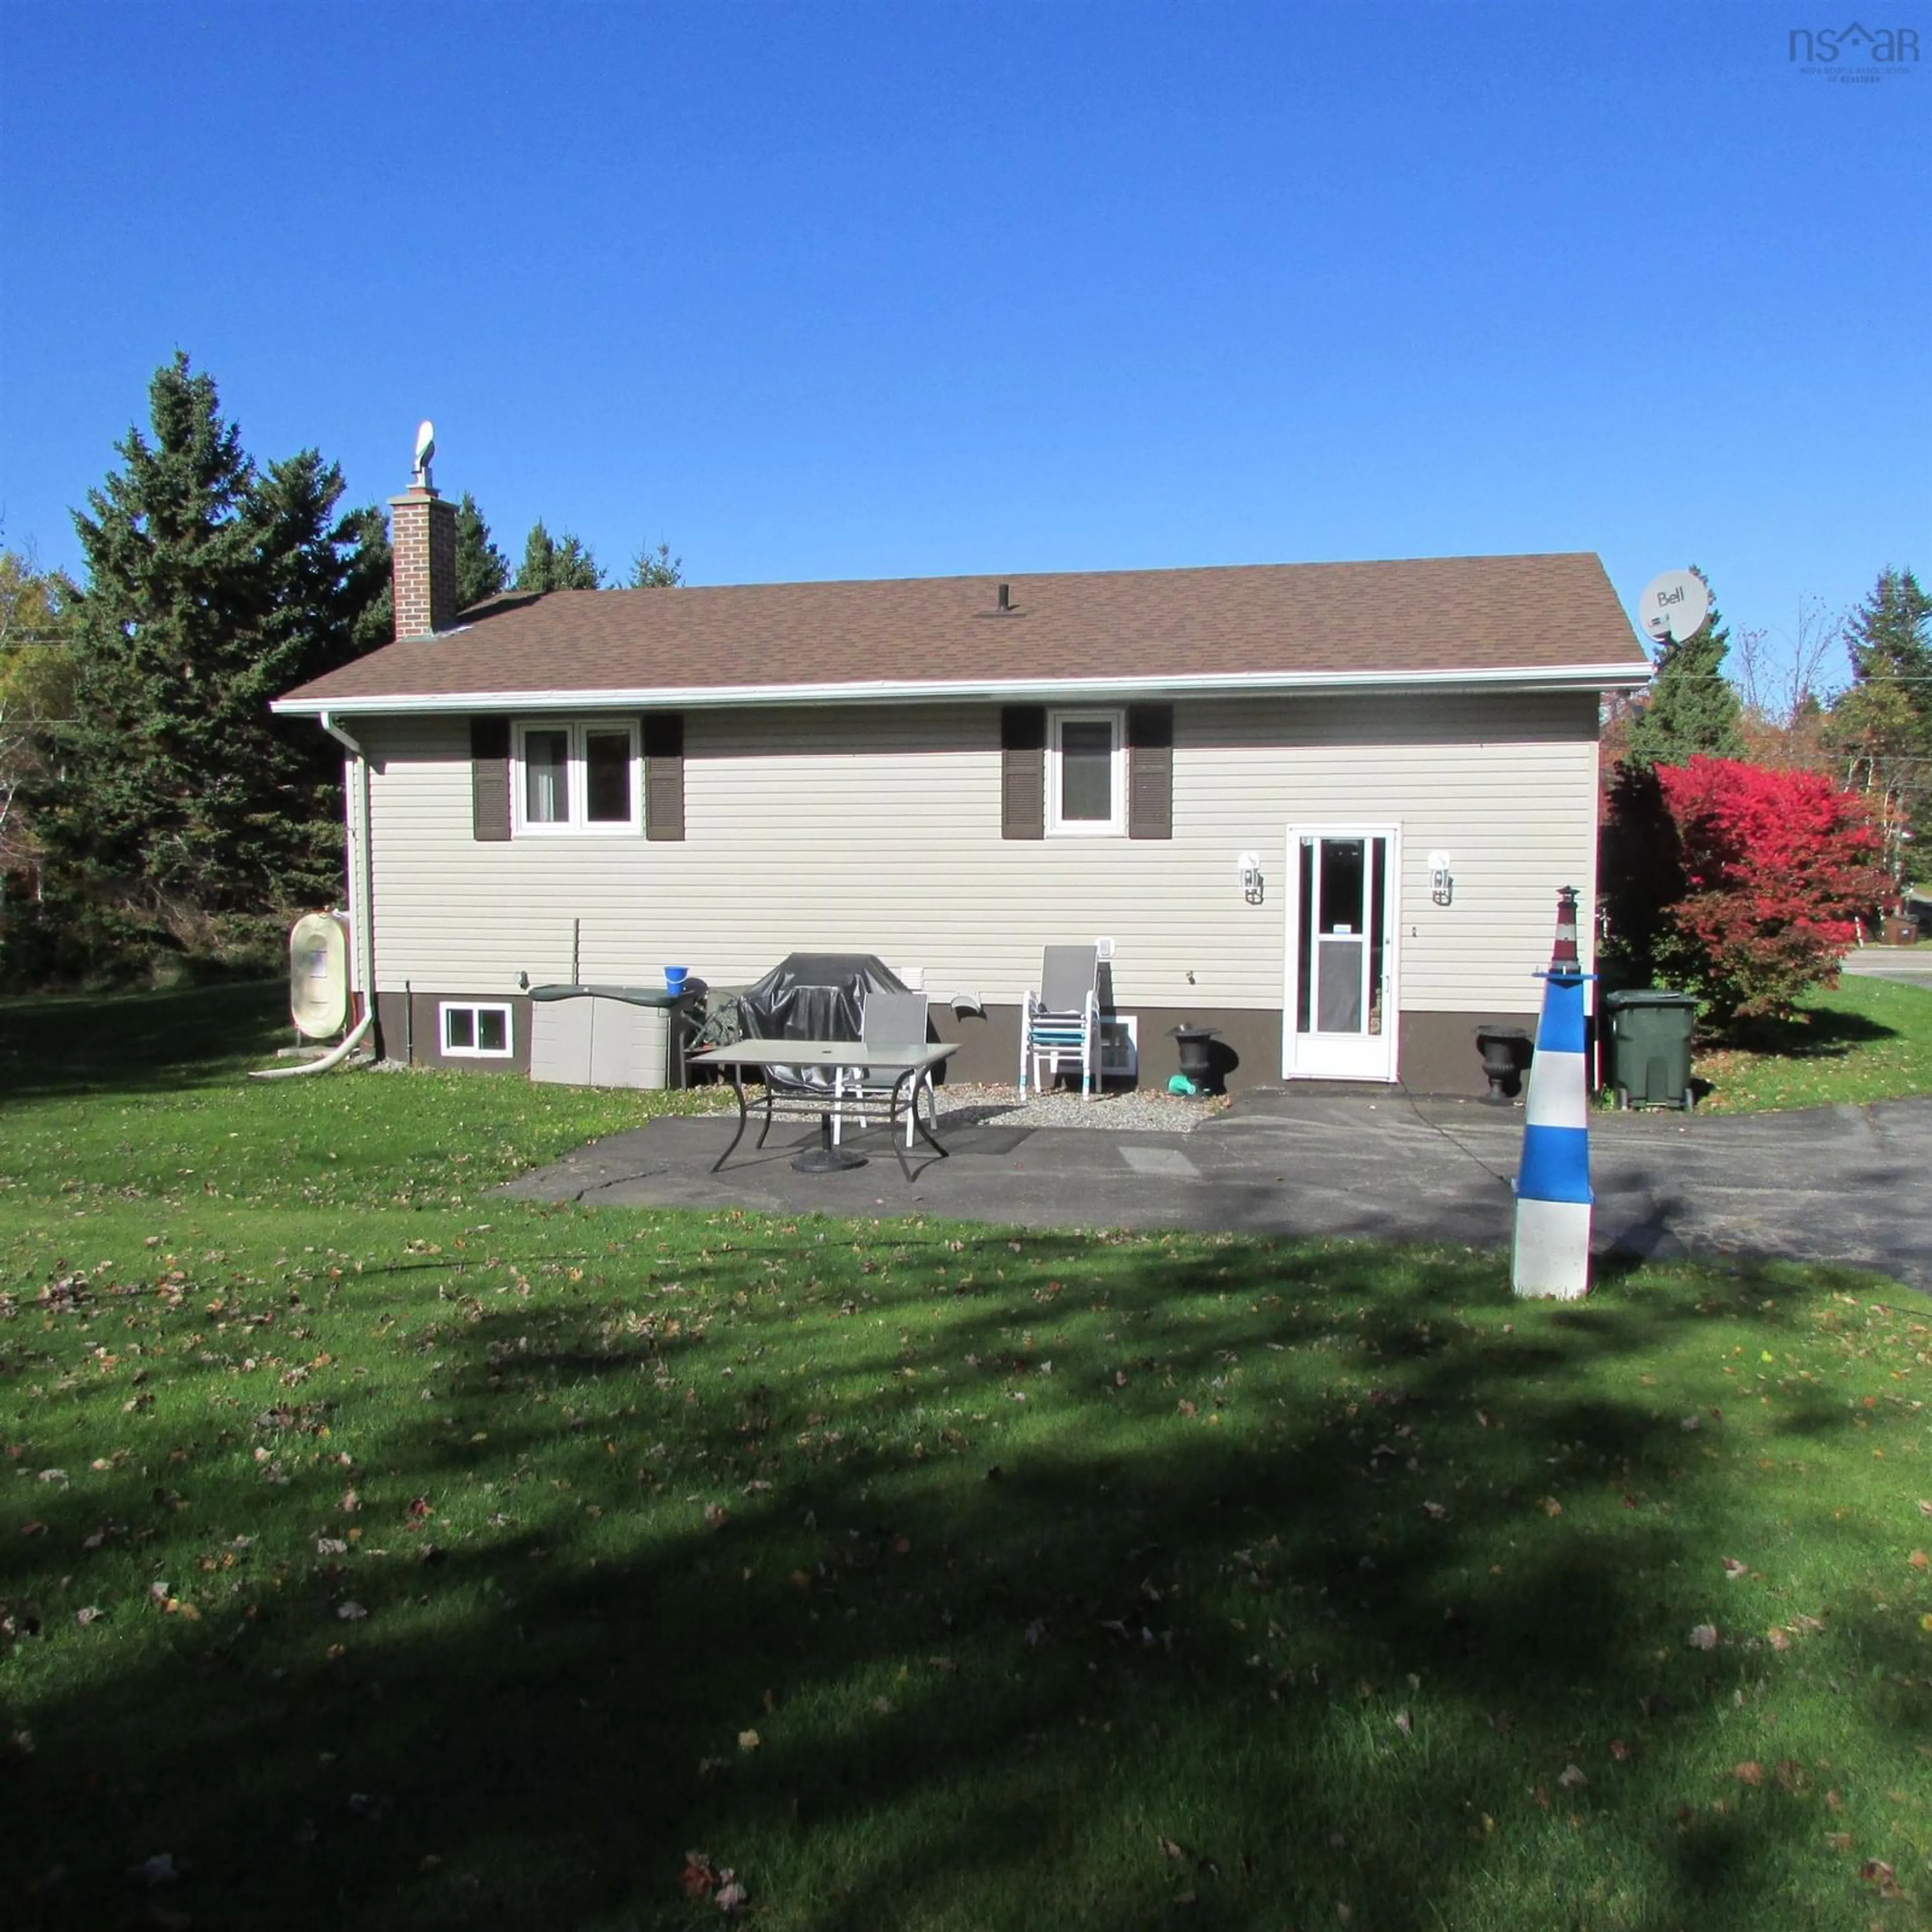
x,y
1140,1110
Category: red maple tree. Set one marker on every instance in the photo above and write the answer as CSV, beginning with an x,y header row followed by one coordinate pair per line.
x,y
1738,882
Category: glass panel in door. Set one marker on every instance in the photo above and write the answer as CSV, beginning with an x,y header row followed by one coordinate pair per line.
x,y
1341,936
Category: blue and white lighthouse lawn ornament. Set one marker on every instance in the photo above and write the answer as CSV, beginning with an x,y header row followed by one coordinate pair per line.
x,y
1552,1254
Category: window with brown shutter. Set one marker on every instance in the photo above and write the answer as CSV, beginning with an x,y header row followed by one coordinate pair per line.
x,y
663,774
1150,771
490,778
1023,771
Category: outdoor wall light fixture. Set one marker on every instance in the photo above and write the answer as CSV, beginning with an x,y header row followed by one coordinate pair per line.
x,y
1252,884
1441,885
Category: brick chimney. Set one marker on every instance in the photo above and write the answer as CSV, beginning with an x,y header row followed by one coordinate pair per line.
x,y
422,546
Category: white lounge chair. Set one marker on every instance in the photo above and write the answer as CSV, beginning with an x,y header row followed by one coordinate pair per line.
x,y
1061,1022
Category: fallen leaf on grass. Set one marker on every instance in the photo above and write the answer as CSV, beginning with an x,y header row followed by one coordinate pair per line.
x,y
1751,1773
351,1612
90,1613
1703,1636
1169,1850
1571,1776
696,1878
748,1741
1918,1560
1551,1506
1619,1750
1405,1723
1434,1511
1778,1639
716,1516
1733,1569
1876,1871
1838,1841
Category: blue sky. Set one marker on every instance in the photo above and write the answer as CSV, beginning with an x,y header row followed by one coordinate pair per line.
x,y
834,290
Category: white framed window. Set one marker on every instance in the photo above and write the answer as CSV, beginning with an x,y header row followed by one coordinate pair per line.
x,y
576,776
1086,774
474,1030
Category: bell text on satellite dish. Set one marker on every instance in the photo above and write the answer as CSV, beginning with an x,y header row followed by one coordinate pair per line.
x,y
1674,605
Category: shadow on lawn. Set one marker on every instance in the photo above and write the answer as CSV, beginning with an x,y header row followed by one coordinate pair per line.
x,y
128,1043
1001,1671
1819,1033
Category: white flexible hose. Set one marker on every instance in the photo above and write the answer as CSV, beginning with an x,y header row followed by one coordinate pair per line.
x,y
335,1057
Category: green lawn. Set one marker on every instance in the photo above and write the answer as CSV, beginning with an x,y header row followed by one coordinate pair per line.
x,y
386,1555
1862,1040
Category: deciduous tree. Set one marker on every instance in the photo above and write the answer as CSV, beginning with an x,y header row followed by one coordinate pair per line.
x,y
36,688
1738,882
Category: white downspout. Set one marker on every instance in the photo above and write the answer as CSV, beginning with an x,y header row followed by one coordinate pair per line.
x,y
361,883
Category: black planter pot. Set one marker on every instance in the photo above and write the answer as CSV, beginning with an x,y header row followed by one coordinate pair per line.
x,y
1505,1052
1196,1057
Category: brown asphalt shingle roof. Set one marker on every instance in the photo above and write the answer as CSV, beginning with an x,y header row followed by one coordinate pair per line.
x,y
1442,614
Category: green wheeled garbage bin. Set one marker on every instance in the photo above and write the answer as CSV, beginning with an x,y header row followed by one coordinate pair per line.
x,y
1650,1046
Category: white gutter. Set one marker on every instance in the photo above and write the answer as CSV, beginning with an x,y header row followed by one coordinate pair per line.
x,y
1620,677
361,891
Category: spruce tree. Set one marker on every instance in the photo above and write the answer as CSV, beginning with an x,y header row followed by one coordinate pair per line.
x,y
482,570
1691,707
556,563
180,814
1882,726
654,568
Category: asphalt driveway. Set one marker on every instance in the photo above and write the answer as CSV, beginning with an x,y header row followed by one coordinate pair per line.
x,y
1841,1183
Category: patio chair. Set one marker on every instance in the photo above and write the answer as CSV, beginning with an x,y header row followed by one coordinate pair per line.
x,y
890,1020
1062,1021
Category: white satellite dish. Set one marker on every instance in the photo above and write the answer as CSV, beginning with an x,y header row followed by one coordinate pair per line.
x,y
425,453
1674,605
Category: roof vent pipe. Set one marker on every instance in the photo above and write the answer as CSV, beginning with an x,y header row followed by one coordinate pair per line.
x,y
1006,599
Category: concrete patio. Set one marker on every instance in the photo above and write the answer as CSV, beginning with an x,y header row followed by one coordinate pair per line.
x,y
1834,1184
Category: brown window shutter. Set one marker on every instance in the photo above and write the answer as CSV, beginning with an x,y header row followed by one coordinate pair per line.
x,y
490,778
1150,771
1023,771
663,774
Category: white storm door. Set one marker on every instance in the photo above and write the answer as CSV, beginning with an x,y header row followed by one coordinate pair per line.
x,y
1340,1018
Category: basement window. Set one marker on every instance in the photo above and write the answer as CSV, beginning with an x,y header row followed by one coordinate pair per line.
x,y
475,1031
577,775
1086,773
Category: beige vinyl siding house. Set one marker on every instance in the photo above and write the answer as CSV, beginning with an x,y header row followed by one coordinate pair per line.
x,y
807,809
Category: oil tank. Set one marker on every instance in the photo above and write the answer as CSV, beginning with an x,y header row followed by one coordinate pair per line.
x,y
319,974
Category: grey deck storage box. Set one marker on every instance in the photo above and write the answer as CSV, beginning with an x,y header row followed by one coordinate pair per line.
x,y
605,1037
